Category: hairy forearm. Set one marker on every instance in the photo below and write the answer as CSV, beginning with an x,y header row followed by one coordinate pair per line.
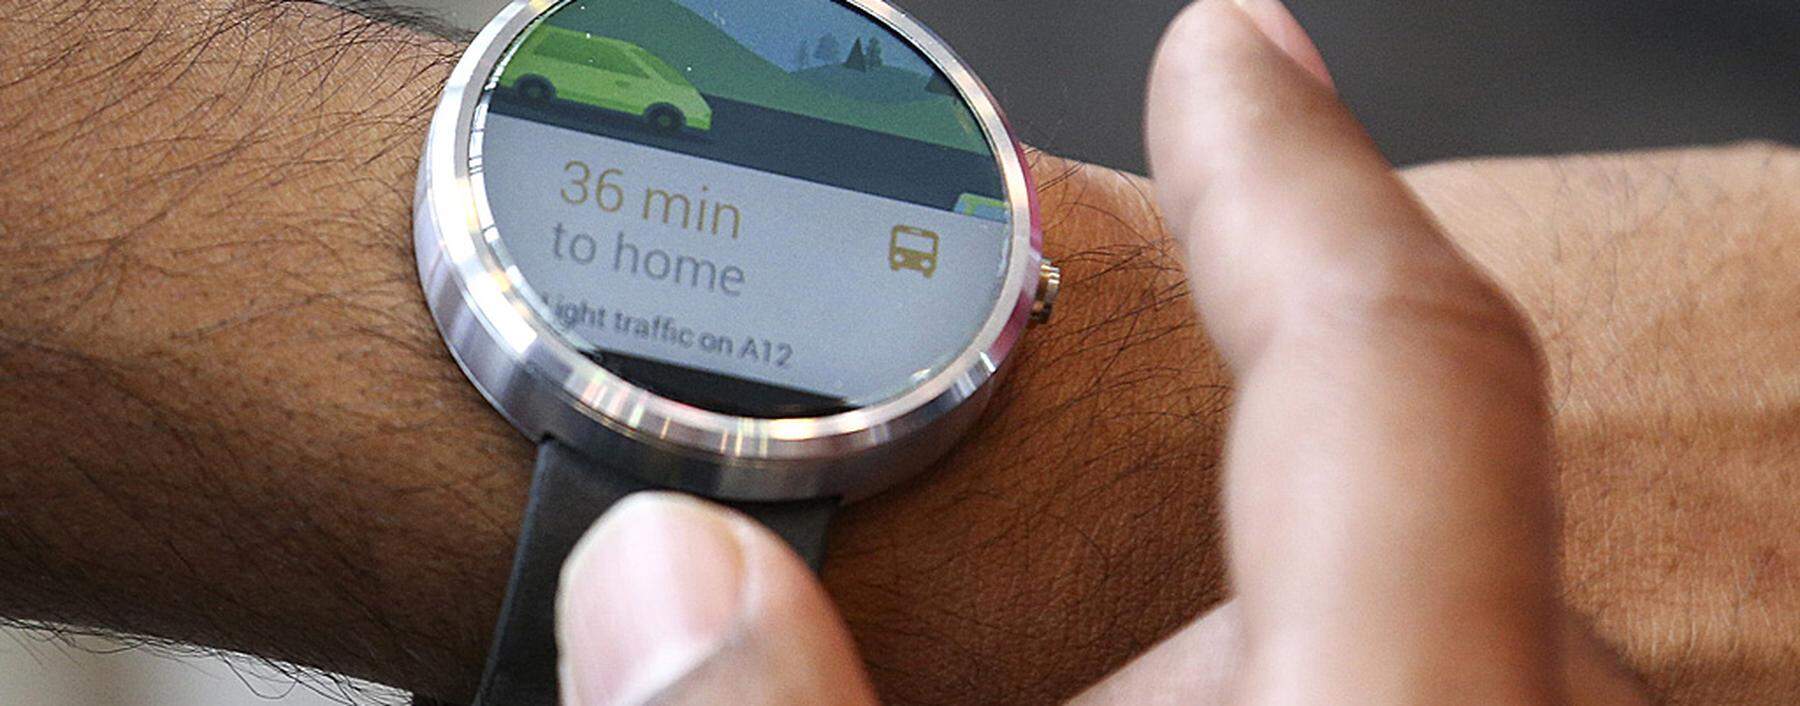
x,y
230,420
227,416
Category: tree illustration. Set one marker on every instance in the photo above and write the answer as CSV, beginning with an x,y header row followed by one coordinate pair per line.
x,y
828,50
940,85
857,61
801,56
873,55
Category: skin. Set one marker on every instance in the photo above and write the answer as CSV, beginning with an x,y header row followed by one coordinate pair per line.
x,y
230,420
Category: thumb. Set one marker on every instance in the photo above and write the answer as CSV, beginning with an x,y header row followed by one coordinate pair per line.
x,y
672,600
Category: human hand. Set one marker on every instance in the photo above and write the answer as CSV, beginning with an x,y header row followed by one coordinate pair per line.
x,y
231,420
1388,468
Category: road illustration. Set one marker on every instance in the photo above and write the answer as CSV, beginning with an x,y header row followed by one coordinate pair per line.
x,y
788,144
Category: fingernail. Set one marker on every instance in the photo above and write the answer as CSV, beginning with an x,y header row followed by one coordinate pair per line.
x,y
1278,24
647,595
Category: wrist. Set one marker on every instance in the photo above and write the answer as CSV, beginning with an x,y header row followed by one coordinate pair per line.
x,y
223,282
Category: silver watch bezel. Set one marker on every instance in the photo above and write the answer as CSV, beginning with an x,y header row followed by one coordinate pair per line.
x,y
545,387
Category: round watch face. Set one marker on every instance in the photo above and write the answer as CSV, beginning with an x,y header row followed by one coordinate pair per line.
x,y
770,209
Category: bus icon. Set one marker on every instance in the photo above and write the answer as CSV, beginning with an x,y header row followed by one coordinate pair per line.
x,y
913,249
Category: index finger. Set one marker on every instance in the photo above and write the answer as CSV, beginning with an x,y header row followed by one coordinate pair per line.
x,y
1388,464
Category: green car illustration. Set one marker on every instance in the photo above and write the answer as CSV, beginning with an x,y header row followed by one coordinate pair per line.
x,y
605,73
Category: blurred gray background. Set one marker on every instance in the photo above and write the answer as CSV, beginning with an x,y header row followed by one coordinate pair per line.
x,y
1431,79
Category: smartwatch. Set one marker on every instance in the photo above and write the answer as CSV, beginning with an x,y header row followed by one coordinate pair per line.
x,y
775,253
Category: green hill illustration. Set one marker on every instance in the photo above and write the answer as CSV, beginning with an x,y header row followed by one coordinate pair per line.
x,y
880,84
877,98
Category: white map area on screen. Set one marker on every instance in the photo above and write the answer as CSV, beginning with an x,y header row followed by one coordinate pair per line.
x,y
815,263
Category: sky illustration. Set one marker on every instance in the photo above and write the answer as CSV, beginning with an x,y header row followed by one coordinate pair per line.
x,y
774,29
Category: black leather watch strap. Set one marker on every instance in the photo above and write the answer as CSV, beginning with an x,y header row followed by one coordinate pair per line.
x,y
568,492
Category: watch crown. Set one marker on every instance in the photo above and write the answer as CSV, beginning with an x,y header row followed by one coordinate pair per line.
x,y
1049,285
